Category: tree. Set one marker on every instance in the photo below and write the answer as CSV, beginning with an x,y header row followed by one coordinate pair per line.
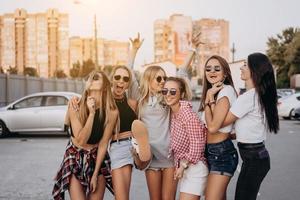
x,y
282,53
87,67
74,72
30,71
12,70
293,55
60,74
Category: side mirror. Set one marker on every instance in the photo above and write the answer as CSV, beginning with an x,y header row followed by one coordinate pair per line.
x,y
12,107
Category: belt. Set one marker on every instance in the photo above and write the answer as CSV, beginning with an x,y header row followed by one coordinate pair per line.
x,y
250,145
120,140
121,136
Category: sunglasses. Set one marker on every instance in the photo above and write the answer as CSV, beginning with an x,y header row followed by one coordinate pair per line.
x,y
160,78
96,77
216,68
118,77
172,91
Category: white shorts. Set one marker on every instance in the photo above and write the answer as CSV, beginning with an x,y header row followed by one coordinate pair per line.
x,y
194,179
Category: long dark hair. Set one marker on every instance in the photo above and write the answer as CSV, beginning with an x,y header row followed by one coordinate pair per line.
x,y
263,78
206,85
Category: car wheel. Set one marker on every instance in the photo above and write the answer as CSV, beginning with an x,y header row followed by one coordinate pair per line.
x,y
68,130
292,114
3,129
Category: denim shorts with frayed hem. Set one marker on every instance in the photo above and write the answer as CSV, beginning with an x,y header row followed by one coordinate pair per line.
x,y
222,158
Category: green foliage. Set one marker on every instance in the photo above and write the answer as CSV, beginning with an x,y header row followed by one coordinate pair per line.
x,y
30,72
74,72
60,74
87,67
284,53
12,70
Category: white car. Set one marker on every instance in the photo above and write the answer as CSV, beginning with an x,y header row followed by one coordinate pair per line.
x,y
287,105
37,112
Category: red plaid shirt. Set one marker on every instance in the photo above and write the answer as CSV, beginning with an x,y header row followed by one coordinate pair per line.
x,y
188,135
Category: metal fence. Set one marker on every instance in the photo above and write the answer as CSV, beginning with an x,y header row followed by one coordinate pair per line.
x,y
13,87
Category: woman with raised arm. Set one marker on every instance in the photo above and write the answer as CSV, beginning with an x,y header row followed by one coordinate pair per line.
x,y
221,154
156,115
85,169
188,139
255,115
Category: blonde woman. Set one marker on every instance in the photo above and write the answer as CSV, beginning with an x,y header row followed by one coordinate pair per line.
x,y
156,115
85,168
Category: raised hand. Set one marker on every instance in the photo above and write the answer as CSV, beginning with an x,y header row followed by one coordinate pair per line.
x,y
91,104
136,43
196,40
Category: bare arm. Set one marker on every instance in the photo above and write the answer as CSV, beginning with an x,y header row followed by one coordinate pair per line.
x,y
136,43
215,115
82,132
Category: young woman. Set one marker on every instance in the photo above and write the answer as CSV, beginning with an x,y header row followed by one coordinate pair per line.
x,y
220,152
156,116
188,139
255,115
120,149
85,165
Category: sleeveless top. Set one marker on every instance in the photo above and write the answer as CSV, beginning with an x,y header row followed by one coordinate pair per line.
x,y
97,129
127,115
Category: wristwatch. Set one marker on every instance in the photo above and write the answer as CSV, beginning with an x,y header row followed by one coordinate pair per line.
x,y
184,165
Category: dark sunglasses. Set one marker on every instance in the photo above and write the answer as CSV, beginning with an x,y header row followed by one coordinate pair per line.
x,y
172,91
160,78
216,68
118,77
96,77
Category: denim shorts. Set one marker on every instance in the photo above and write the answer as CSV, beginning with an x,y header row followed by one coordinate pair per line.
x,y
120,154
222,158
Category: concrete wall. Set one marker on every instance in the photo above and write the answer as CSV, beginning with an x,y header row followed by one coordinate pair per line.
x,y
13,87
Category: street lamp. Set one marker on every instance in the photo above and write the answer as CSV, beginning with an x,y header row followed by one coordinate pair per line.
x,y
95,35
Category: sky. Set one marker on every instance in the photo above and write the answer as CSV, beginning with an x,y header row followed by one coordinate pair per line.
x,y
252,22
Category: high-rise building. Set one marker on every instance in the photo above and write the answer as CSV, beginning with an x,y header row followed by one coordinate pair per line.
x,y
39,40
172,38
110,52
215,36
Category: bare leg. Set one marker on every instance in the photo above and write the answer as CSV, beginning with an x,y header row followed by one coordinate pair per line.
x,y
76,190
99,193
216,187
154,183
121,179
186,196
169,185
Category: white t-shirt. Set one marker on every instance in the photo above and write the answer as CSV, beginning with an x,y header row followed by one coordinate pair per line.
x,y
250,127
229,92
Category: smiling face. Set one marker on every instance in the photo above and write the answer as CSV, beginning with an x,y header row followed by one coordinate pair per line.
x,y
157,83
120,82
214,72
245,72
171,92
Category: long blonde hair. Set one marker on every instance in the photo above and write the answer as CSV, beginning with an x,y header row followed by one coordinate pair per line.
x,y
148,75
107,103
